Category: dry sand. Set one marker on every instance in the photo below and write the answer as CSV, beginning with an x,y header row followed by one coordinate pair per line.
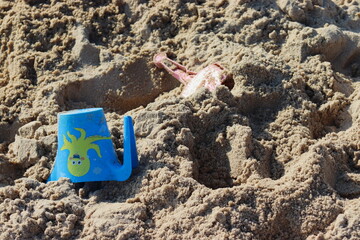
x,y
277,157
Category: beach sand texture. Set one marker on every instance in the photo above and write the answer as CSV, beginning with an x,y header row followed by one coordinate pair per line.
x,y
276,157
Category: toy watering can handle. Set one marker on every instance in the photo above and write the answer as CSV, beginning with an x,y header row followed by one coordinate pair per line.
x,y
130,158
130,153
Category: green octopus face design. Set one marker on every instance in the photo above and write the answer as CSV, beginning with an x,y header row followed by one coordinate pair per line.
x,y
78,162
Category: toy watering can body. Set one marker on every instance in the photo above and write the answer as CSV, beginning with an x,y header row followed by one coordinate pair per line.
x,y
85,150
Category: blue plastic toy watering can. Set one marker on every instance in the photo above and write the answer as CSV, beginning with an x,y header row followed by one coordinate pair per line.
x,y
85,151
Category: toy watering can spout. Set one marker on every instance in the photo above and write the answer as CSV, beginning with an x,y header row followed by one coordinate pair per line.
x,y
86,152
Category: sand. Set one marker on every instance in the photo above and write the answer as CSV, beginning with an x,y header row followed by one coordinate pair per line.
x,y
276,157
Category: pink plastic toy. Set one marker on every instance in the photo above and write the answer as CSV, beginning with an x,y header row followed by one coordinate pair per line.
x,y
210,77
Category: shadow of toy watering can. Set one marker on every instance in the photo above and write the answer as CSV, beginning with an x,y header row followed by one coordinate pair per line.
x,y
85,151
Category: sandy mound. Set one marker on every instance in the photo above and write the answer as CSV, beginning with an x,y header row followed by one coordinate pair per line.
x,y
277,157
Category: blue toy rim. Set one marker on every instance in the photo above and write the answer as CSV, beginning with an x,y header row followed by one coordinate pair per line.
x,y
80,111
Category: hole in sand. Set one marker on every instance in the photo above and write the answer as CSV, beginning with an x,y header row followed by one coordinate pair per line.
x,y
8,131
115,89
9,172
31,72
346,182
99,3
37,2
228,156
225,154
229,82
212,167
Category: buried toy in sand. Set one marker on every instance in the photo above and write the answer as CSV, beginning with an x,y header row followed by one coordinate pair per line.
x,y
85,150
210,77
